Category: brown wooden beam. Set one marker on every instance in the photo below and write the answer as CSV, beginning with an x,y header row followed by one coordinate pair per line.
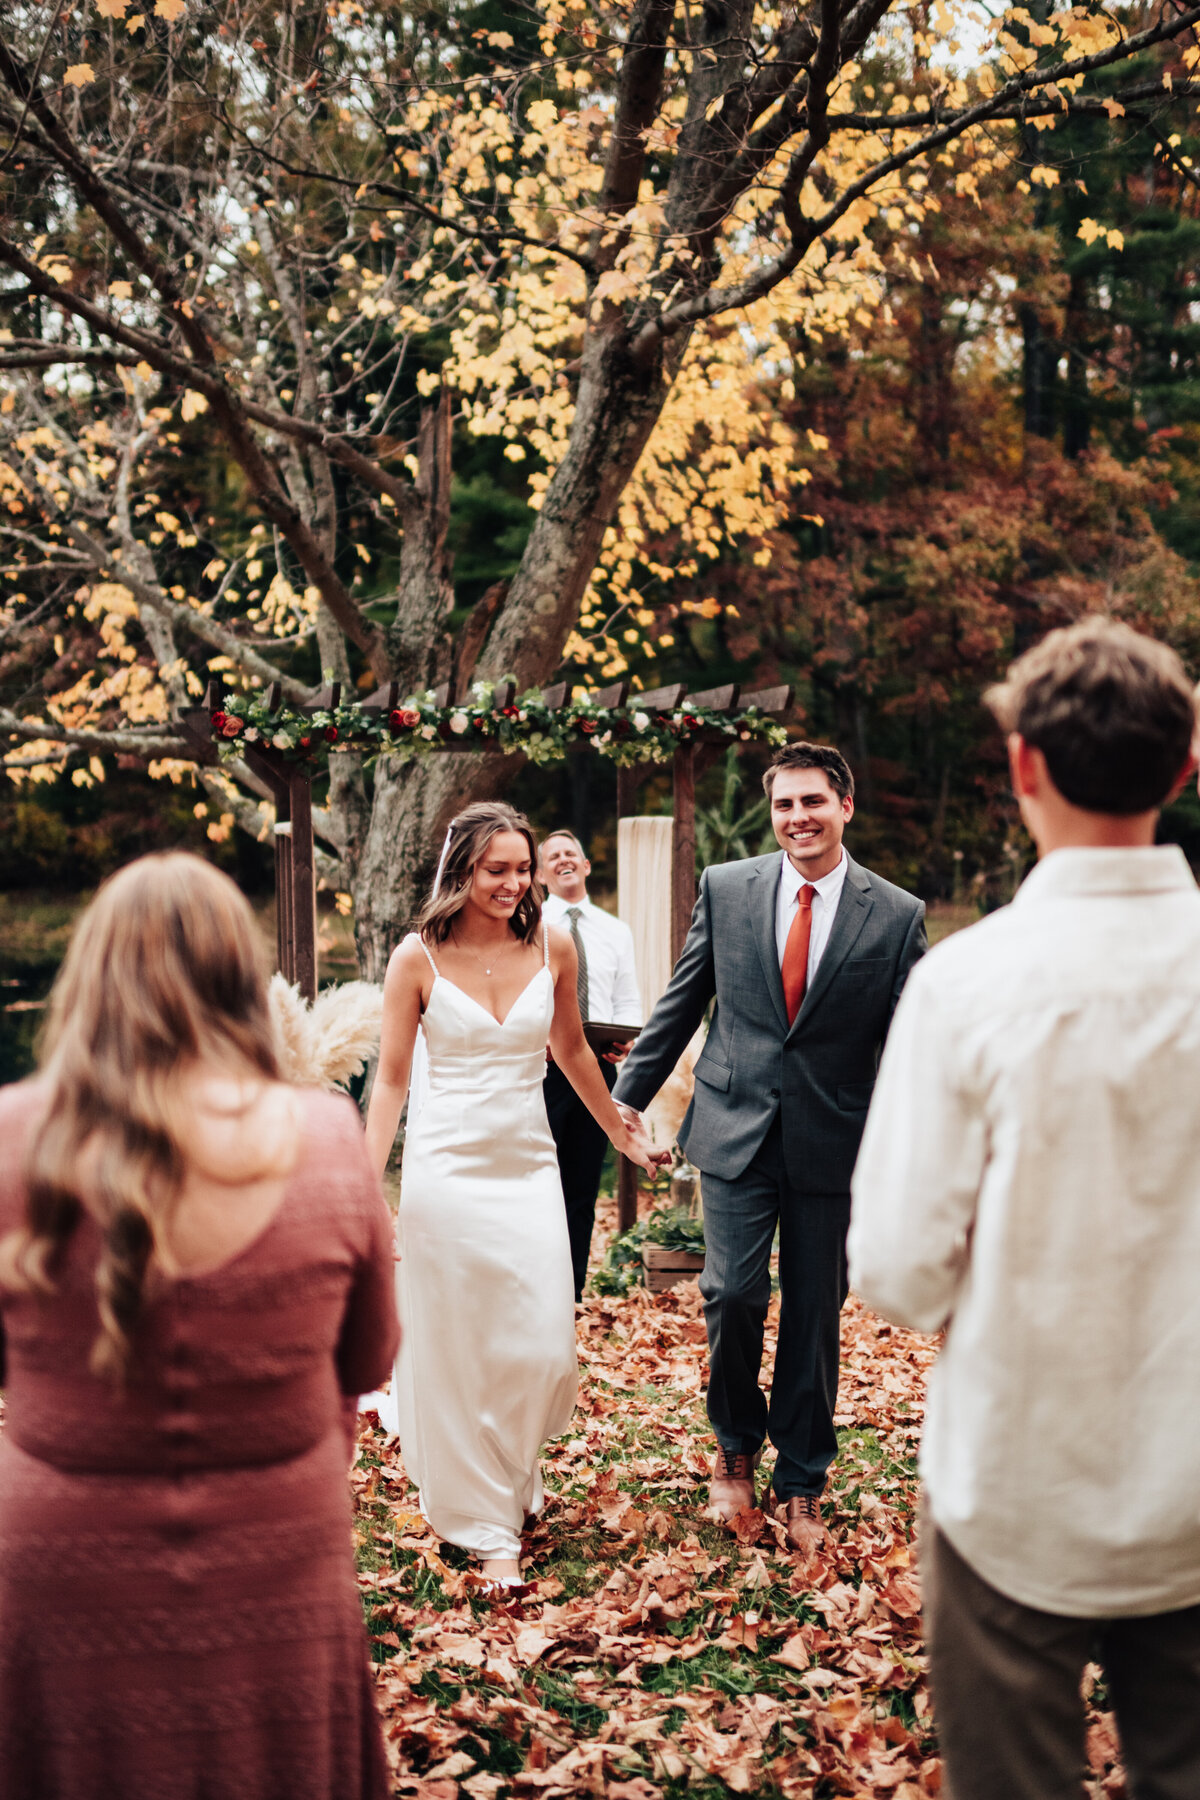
x,y
773,700
718,699
663,699
384,699
303,883
610,696
683,848
627,1193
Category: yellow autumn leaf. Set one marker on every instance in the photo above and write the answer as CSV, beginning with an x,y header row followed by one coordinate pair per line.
x,y
79,75
193,405
1045,176
170,10
1090,230
136,23
112,9
1116,240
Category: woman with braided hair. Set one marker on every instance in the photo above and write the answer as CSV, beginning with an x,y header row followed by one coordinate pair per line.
x,y
195,1281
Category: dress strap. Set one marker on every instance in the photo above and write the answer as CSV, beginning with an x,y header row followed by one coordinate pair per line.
x,y
425,948
545,945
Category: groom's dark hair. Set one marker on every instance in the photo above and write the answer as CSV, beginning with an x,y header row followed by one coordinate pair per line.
x,y
831,763
1112,712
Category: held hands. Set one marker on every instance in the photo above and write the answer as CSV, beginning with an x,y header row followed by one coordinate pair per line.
x,y
634,1142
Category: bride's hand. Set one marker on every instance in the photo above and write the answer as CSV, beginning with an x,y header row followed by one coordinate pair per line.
x,y
633,1141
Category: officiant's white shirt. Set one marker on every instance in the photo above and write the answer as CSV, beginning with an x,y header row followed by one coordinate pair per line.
x,y
1030,1176
824,906
613,996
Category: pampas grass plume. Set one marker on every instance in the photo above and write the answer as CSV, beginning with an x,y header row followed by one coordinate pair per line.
x,y
327,1043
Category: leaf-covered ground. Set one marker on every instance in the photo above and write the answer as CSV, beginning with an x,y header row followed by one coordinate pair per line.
x,y
657,1655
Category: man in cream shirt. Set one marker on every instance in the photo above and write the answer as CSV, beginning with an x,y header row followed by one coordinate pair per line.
x,y
608,995
1030,1179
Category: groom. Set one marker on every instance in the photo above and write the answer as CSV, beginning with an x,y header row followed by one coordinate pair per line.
x,y
805,954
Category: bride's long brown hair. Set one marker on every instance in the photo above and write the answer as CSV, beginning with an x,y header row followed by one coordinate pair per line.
x,y
163,971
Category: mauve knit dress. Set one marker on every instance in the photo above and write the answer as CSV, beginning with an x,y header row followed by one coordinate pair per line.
x,y
179,1618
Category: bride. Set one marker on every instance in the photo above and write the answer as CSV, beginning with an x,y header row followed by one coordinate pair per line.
x,y
486,1371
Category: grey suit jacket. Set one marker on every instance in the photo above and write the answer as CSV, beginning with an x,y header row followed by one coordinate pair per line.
x,y
819,1072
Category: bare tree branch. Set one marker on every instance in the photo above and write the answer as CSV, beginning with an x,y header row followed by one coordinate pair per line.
x,y
133,742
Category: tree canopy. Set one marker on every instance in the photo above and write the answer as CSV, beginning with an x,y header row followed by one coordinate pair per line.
x,y
278,282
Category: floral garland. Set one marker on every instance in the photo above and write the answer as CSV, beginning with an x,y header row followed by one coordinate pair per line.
x,y
623,734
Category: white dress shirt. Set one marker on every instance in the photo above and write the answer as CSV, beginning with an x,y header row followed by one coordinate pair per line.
x,y
613,997
1030,1174
825,904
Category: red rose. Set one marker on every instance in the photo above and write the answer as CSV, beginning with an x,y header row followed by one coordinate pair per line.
x,y
404,716
305,742
479,724
331,734
218,721
693,724
510,712
231,726
587,726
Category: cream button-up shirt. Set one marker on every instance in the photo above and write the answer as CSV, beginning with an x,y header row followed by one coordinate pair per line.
x,y
1030,1177
824,906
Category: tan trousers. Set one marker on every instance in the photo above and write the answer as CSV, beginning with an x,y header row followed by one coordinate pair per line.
x,y
1006,1681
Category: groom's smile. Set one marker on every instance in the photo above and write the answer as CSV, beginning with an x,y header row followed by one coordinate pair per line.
x,y
809,820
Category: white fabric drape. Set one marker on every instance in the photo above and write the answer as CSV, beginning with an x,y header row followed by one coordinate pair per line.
x,y
644,902
644,899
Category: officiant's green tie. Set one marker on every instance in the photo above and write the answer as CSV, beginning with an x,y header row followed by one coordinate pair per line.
x,y
581,984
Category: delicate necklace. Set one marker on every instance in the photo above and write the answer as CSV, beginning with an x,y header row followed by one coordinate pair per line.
x,y
475,956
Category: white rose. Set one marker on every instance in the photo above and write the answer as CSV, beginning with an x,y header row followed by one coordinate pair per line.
x,y
428,731
641,721
281,741
459,723
522,717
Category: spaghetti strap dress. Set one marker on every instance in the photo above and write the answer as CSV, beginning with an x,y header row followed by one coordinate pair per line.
x,y
486,1371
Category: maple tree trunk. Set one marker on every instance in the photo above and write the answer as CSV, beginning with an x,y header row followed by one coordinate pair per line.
x,y
619,403
618,406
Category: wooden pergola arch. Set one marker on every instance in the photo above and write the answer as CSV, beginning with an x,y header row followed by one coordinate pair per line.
x,y
289,781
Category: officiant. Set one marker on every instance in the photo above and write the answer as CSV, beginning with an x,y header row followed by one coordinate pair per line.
x,y
608,994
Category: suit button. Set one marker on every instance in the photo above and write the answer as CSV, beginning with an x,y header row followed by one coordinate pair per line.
x,y
773,1093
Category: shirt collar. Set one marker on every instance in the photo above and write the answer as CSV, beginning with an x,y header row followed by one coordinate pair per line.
x,y
556,904
829,886
1156,869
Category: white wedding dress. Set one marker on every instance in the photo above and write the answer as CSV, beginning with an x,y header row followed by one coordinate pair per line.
x,y
486,1370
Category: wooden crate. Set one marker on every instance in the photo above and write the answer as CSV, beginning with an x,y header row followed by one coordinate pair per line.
x,y
667,1268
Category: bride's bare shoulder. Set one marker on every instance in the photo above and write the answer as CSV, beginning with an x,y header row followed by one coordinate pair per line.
x,y
561,948
407,964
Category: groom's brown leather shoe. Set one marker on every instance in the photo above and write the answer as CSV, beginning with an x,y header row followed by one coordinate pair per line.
x,y
805,1528
732,1485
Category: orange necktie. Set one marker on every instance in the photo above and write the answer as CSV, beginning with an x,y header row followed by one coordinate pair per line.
x,y
795,953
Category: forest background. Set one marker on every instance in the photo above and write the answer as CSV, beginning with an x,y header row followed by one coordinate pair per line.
x,y
999,432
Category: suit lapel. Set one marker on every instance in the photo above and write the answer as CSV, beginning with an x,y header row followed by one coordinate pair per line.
x,y
762,897
853,907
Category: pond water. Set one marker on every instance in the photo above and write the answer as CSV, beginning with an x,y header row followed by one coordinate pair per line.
x,y
35,929
34,932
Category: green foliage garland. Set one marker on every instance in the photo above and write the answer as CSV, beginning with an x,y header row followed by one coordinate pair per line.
x,y
420,727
